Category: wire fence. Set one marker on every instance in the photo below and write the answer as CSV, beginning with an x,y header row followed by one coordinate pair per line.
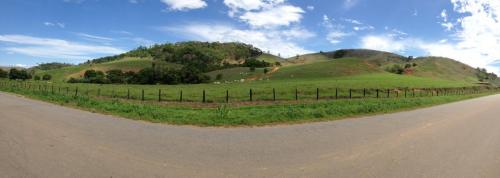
x,y
251,95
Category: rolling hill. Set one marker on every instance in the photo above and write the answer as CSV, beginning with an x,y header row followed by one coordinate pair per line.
x,y
324,65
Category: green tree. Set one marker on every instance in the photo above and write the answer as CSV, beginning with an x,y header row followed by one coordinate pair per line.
x,y
47,77
218,77
15,74
3,73
115,76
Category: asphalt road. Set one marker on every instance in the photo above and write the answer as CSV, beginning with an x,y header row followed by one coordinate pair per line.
x,y
461,139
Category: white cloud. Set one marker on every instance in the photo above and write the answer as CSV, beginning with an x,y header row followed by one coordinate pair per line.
x,y
335,37
384,43
348,4
264,13
477,35
53,48
446,24
184,5
56,24
94,37
311,8
275,41
282,15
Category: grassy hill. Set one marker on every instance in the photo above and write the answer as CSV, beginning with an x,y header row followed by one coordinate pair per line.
x,y
126,64
324,66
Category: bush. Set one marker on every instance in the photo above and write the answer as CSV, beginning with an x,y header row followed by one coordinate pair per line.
x,y
252,62
47,77
266,70
396,69
407,66
115,76
36,77
16,74
3,73
218,77
252,69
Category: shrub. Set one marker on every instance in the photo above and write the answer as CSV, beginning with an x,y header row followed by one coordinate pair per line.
x,y
407,66
36,77
3,73
47,77
266,70
115,76
218,77
396,69
16,74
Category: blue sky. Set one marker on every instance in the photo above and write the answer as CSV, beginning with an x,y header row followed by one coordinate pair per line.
x,y
72,31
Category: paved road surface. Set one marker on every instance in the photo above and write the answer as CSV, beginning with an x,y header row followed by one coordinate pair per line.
x,y
454,140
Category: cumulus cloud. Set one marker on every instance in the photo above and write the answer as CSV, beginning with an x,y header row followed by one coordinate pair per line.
x,y
476,36
275,41
384,43
53,48
264,13
184,5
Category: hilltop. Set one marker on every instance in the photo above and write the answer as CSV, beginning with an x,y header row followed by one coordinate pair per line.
x,y
227,62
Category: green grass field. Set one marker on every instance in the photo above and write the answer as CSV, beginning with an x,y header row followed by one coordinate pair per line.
x,y
262,89
254,115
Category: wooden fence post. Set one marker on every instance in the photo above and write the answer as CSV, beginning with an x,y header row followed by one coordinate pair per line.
x,y
227,96
317,93
296,94
159,95
251,95
378,93
180,96
128,93
76,92
388,93
204,97
274,94
350,93
364,92
142,98
336,93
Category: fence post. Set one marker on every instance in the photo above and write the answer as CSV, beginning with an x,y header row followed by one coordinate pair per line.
x,y
364,92
378,93
296,94
128,93
350,93
317,93
142,98
204,99
336,93
414,92
388,93
180,96
251,95
274,94
227,96
159,95
76,92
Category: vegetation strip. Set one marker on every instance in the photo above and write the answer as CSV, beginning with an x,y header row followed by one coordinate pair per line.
x,y
225,115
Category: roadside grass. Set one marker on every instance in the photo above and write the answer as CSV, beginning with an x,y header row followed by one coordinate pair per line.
x,y
228,116
262,90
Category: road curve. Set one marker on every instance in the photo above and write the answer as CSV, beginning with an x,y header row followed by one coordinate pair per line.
x,y
461,139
